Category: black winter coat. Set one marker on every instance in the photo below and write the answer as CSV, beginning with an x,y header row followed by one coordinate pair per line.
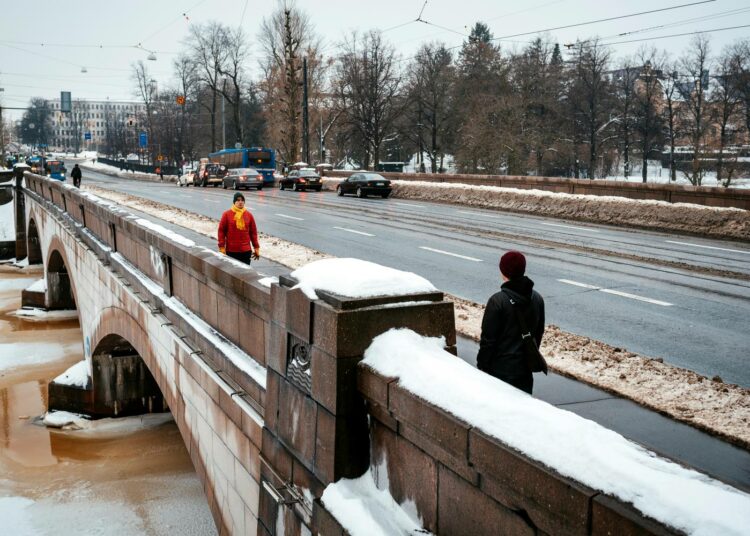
x,y
75,173
500,348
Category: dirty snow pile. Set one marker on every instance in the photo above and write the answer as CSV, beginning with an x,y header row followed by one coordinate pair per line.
x,y
363,509
65,420
355,278
117,172
569,444
75,376
39,285
34,314
7,223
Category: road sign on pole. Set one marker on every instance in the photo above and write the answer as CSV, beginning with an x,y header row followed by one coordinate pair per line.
x,y
87,136
65,101
143,139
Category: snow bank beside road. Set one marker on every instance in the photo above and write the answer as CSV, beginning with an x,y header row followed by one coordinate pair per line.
x,y
116,172
645,214
571,445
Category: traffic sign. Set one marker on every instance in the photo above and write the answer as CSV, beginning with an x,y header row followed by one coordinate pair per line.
x,y
180,99
87,135
160,158
143,139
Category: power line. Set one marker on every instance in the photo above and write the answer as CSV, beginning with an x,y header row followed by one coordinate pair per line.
x,y
668,36
608,19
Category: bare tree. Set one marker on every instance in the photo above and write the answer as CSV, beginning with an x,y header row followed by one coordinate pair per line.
x,y
285,36
368,86
187,81
146,90
431,89
207,44
726,103
233,71
648,124
670,114
590,95
693,87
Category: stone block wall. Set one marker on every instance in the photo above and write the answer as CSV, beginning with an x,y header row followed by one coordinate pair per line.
x,y
462,481
316,427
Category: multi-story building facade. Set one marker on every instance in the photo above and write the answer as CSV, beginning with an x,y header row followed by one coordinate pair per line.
x,y
93,116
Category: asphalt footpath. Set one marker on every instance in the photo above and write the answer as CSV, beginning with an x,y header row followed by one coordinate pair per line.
x,y
669,438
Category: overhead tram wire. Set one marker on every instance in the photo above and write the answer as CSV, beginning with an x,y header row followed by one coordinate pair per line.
x,y
682,22
660,37
607,19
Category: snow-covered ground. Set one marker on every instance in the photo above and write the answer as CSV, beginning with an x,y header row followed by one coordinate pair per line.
x,y
721,409
33,314
117,172
581,449
7,223
75,376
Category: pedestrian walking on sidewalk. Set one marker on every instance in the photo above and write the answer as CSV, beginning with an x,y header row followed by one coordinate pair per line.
x,y
512,327
238,234
75,173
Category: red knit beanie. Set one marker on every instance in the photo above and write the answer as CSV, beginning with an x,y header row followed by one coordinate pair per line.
x,y
513,264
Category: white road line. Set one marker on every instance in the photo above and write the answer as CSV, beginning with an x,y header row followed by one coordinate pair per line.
x,y
451,254
185,195
577,284
290,217
407,204
707,247
477,214
584,229
211,201
353,231
616,292
634,297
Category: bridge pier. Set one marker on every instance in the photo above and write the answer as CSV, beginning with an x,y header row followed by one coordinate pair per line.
x,y
120,385
20,200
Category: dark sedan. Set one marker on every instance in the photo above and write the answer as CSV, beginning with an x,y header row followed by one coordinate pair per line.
x,y
240,178
364,184
301,180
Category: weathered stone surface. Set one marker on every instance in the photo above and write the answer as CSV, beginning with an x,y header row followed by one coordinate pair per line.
x,y
373,385
610,517
299,312
324,522
296,422
554,503
334,384
464,509
409,473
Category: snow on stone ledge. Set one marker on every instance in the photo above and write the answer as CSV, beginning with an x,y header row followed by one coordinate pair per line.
x,y
38,286
34,314
571,445
65,419
355,278
75,376
165,232
363,509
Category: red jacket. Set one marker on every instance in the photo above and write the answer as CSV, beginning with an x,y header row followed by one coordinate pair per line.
x,y
232,238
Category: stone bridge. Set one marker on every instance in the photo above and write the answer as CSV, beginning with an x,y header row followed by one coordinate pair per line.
x,y
266,385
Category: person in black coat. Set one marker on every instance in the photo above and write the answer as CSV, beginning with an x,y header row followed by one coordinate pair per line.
x,y
501,353
76,174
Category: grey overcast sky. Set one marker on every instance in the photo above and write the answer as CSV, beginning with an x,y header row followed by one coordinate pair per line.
x,y
45,43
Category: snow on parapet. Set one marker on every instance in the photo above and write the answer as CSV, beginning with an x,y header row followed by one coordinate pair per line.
x,y
165,232
75,376
355,278
38,286
361,508
571,445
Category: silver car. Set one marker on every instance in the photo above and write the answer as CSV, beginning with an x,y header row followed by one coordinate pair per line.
x,y
243,178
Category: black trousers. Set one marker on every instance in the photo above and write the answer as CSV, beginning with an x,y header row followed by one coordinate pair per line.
x,y
243,256
77,183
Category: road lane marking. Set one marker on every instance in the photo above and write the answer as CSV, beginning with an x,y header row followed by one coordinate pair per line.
x,y
290,217
353,231
451,254
707,247
477,214
634,297
616,293
571,227
577,284
211,201
407,204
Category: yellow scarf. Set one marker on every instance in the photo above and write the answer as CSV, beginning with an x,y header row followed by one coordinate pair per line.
x,y
238,219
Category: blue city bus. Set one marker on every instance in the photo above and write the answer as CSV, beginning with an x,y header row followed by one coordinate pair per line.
x,y
56,169
259,158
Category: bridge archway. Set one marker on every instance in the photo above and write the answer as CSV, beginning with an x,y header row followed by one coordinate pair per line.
x,y
60,291
33,245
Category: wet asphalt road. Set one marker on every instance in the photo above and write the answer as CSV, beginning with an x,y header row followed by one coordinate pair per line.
x,y
607,283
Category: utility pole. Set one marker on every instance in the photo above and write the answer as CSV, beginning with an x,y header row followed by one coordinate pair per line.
x,y
223,117
305,120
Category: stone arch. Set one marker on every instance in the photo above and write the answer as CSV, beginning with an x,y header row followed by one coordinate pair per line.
x,y
122,382
60,286
33,245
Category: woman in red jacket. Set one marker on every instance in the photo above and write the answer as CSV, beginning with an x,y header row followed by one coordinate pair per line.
x,y
237,232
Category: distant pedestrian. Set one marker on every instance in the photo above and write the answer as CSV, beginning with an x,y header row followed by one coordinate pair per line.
x,y
237,232
75,173
512,327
